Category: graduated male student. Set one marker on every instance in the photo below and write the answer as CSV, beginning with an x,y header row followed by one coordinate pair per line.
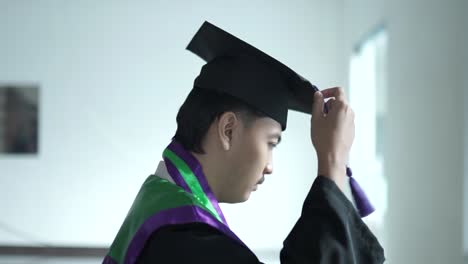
x,y
227,129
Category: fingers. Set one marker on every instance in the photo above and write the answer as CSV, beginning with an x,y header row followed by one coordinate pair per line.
x,y
317,109
339,105
336,92
337,101
340,108
329,105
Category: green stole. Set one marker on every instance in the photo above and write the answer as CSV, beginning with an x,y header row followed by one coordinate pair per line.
x,y
185,198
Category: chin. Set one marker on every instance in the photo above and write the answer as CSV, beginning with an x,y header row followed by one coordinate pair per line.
x,y
239,199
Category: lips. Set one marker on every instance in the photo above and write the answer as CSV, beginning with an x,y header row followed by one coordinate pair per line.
x,y
261,180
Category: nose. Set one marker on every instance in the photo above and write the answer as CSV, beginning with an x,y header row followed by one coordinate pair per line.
x,y
269,166
268,169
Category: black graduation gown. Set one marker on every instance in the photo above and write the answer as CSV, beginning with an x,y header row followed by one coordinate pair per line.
x,y
329,230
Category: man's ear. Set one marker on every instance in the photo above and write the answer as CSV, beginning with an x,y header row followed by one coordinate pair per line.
x,y
227,124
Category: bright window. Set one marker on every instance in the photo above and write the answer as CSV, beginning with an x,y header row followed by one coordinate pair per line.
x,y
368,99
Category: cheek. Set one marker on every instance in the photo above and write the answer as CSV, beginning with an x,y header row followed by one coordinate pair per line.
x,y
255,159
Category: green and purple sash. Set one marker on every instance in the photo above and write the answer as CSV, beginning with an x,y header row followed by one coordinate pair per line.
x,y
161,202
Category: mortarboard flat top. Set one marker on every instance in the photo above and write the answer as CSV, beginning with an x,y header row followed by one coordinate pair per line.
x,y
245,72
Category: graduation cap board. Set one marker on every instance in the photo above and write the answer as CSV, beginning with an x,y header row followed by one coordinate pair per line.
x,y
239,69
245,72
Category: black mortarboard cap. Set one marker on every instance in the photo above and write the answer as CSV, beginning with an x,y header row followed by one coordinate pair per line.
x,y
239,69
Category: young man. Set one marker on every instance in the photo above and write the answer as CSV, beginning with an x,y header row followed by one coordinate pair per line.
x,y
227,129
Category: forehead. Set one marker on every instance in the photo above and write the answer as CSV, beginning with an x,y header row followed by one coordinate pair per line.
x,y
266,125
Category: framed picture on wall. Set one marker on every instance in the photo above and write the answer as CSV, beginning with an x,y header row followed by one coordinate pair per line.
x,y
19,118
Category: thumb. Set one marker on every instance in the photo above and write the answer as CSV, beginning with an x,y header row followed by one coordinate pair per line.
x,y
317,109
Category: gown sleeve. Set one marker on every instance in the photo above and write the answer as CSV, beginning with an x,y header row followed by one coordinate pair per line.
x,y
329,230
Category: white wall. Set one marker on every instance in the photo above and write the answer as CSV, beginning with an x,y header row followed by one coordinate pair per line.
x,y
424,154
425,159
465,161
112,76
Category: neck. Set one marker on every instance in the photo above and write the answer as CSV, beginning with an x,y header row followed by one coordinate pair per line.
x,y
211,172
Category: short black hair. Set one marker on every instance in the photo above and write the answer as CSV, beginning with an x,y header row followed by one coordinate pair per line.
x,y
200,109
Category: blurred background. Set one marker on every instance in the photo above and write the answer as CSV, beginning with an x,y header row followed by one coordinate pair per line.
x,y
91,90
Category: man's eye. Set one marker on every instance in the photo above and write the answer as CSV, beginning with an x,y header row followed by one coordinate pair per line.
x,y
272,145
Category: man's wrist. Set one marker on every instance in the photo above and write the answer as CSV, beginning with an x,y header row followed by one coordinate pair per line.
x,y
334,171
